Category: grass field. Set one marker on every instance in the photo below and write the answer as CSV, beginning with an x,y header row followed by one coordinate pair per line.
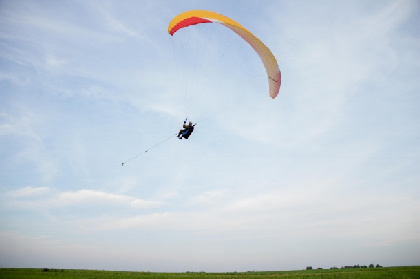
x,y
412,272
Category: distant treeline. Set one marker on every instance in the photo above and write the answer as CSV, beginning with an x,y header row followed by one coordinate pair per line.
x,y
349,266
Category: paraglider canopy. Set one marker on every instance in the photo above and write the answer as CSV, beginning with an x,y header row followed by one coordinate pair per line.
x,y
193,17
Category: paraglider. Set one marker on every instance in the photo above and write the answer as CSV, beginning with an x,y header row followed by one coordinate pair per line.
x,y
194,17
187,130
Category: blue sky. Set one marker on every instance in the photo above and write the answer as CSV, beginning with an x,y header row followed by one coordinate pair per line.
x,y
327,174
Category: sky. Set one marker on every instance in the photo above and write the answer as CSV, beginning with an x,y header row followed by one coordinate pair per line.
x,y
327,174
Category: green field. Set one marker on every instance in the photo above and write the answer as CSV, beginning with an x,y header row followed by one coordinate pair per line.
x,y
412,272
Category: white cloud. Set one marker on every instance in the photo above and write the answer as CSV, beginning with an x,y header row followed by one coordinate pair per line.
x,y
116,25
208,198
54,62
28,191
28,126
80,198
91,196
